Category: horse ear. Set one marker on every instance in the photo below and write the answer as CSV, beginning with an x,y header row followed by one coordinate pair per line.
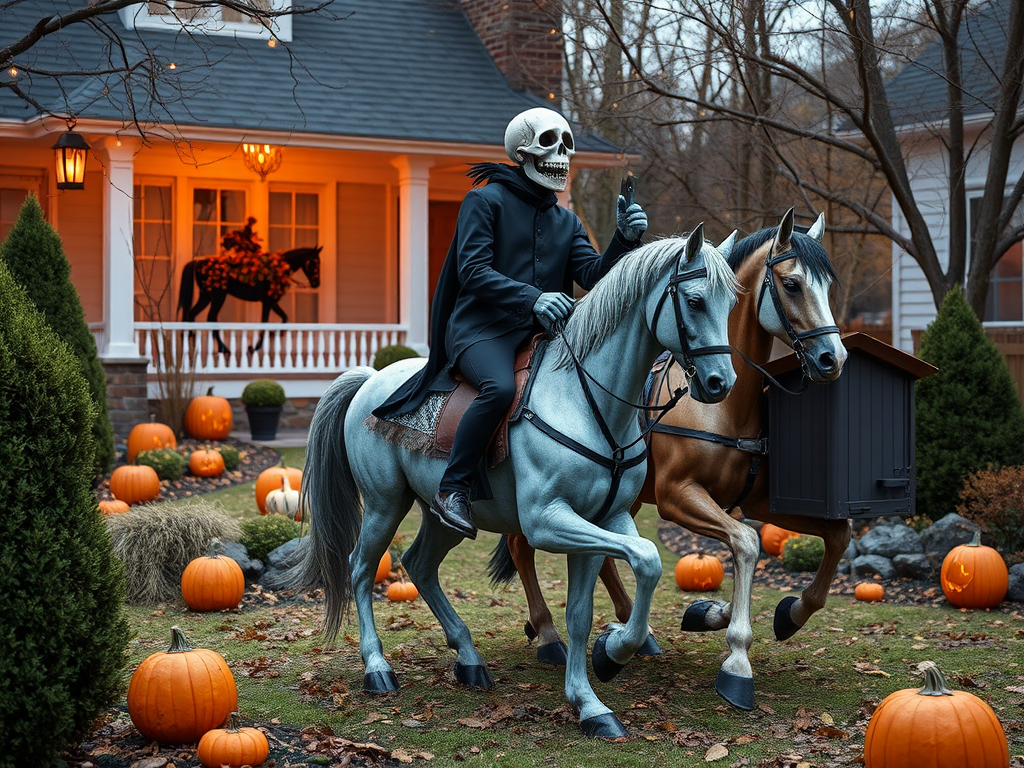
x,y
817,230
727,245
783,234
695,242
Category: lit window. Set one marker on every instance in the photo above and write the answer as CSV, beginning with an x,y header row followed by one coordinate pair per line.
x,y
295,223
153,235
1005,300
215,213
214,19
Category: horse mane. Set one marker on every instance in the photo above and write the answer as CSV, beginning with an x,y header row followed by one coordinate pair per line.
x,y
808,251
597,314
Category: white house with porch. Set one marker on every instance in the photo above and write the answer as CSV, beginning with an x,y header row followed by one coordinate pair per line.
x,y
374,118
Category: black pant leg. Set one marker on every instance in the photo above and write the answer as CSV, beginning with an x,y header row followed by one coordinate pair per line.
x,y
488,366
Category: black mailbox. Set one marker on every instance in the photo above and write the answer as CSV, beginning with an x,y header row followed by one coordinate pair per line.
x,y
845,449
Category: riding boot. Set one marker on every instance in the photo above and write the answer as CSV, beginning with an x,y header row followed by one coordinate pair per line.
x,y
455,512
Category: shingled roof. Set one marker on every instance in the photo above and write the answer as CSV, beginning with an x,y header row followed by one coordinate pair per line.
x,y
397,69
919,93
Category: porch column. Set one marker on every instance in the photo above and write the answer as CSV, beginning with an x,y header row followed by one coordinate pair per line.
x,y
118,250
413,250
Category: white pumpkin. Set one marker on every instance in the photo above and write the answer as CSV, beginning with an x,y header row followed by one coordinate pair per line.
x,y
283,502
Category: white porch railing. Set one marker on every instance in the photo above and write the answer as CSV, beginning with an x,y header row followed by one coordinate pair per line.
x,y
286,347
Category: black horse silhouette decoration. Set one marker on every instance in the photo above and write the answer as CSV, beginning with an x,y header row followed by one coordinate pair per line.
x,y
247,272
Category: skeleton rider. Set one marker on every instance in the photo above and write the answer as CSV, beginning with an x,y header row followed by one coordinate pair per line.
x,y
511,264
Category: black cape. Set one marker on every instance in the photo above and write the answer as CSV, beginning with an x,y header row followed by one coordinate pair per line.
x,y
512,242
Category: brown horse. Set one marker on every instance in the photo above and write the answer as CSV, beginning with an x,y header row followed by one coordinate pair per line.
x,y
697,482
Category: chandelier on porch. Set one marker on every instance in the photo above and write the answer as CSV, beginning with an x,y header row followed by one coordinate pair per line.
x,y
262,158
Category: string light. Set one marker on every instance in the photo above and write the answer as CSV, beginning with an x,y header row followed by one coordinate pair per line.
x,y
172,65
272,42
13,71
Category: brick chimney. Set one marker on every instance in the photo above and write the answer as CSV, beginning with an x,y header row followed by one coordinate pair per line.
x,y
524,37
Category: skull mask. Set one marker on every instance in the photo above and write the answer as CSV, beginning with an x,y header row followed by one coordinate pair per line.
x,y
541,141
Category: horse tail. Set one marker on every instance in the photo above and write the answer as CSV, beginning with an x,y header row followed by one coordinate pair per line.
x,y
501,569
334,504
185,292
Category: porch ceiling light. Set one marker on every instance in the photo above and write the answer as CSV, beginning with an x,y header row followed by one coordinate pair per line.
x,y
70,154
262,158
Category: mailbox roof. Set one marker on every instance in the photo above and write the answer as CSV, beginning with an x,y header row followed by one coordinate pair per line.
x,y
897,358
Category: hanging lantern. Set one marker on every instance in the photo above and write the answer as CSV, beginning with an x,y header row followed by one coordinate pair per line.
x,y
262,158
70,154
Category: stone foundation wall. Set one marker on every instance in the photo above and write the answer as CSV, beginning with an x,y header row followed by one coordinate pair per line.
x,y
126,395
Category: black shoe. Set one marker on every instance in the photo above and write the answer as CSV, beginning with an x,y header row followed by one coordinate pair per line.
x,y
455,512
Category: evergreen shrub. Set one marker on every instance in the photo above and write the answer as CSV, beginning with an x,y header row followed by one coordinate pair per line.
x,y
35,256
968,414
802,553
168,463
230,455
264,393
392,354
157,541
262,535
63,638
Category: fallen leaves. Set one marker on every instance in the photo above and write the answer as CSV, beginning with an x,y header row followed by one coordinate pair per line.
x,y
716,752
866,668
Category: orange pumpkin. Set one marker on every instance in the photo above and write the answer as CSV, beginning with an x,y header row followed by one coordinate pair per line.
x,y
149,437
212,582
114,507
936,728
869,591
699,573
400,591
383,569
270,480
773,537
974,576
209,417
207,463
177,695
132,484
233,746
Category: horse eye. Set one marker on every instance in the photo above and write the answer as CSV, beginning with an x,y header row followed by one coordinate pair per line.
x,y
695,303
791,285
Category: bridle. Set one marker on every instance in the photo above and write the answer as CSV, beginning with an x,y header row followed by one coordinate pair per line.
x,y
796,338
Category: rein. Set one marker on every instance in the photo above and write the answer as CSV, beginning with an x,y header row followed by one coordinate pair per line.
x,y
617,463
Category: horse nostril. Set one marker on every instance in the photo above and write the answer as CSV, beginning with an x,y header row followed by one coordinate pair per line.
x,y
827,361
715,384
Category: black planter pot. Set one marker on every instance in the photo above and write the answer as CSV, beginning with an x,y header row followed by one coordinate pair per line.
x,y
263,421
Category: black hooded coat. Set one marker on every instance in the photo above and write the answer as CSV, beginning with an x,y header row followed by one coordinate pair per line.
x,y
511,244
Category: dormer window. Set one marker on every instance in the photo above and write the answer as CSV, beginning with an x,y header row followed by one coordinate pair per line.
x,y
210,18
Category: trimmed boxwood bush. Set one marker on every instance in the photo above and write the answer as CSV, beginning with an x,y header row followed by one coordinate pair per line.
x,y
35,257
168,463
262,535
968,414
230,455
263,394
64,634
802,553
392,354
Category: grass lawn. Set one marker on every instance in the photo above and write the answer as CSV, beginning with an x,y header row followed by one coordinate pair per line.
x,y
814,691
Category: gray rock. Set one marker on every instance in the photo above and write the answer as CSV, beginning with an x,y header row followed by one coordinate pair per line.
x,y
913,566
951,531
287,554
843,569
890,540
869,565
1016,589
251,569
851,551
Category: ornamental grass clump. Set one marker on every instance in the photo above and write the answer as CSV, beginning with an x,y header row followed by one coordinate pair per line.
x,y
392,354
263,393
157,542
64,635
166,462
262,535
802,553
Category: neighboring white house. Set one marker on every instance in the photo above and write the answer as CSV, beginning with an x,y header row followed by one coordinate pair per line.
x,y
918,95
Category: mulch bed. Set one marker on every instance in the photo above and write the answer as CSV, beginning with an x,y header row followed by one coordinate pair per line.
x,y
771,573
252,459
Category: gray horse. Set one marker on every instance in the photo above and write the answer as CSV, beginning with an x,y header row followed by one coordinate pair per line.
x,y
577,463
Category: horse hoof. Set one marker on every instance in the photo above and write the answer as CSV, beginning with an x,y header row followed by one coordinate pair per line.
x,y
693,619
473,675
650,647
380,682
603,727
552,653
604,667
531,633
784,625
738,691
